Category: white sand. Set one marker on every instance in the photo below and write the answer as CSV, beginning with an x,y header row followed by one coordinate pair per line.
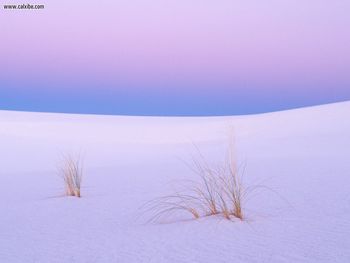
x,y
303,155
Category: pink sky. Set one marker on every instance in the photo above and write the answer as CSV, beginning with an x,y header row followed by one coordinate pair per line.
x,y
192,45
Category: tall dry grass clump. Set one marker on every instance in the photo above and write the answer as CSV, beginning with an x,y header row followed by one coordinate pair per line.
x,y
219,190
71,171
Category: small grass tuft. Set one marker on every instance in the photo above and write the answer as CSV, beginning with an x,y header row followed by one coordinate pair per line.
x,y
71,171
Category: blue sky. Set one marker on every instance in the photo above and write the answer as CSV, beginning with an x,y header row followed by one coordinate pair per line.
x,y
175,57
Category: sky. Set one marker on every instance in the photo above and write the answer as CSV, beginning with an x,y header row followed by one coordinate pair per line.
x,y
174,57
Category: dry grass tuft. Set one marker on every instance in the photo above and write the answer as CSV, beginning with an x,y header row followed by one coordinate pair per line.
x,y
218,191
71,170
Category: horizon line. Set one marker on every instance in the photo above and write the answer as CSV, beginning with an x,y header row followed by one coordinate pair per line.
x,y
171,116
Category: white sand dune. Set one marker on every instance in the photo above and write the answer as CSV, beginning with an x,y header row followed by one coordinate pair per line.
x,y
303,155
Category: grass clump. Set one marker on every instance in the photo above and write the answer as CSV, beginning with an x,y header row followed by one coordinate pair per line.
x,y
71,171
219,190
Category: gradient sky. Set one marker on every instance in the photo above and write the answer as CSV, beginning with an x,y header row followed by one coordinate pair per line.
x,y
174,57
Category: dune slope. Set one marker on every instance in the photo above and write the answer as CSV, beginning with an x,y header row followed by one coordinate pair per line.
x,y
303,155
